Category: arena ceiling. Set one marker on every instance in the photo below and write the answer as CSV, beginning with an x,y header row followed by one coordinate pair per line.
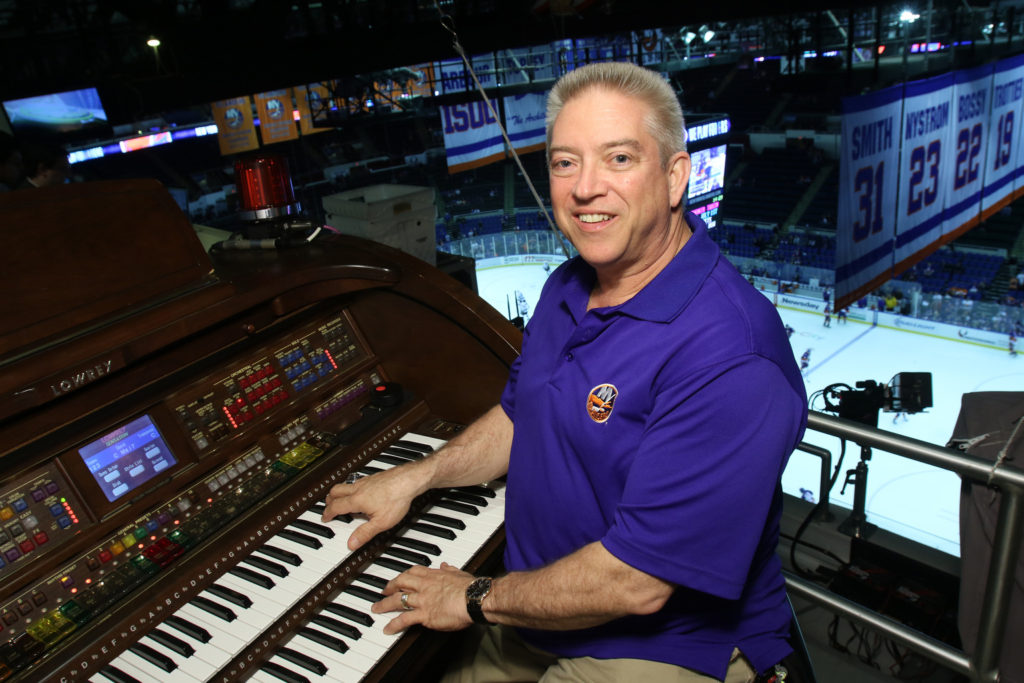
x,y
214,49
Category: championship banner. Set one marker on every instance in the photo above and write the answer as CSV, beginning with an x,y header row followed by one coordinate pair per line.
x,y
310,100
277,122
524,121
925,166
236,130
472,137
971,104
868,174
1004,124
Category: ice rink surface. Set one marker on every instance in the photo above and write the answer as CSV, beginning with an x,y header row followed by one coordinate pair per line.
x,y
903,496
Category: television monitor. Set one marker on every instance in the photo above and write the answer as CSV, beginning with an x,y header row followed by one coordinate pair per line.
x,y
707,183
64,115
707,172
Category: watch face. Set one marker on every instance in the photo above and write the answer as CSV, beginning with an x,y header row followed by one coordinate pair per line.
x,y
478,589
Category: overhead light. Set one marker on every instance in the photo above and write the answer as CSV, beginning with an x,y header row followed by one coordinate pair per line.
x,y
908,16
706,33
688,37
153,42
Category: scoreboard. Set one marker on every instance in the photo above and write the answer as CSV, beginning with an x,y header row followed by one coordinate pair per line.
x,y
706,144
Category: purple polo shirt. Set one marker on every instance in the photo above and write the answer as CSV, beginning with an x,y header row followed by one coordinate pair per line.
x,y
659,427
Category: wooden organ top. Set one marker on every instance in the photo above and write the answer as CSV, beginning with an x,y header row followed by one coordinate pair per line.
x,y
163,411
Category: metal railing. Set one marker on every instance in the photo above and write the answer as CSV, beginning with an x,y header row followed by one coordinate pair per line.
x,y
983,664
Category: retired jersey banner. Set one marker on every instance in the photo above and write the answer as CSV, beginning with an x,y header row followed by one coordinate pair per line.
x,y
236,130
277,119
1004,127
472,136
925,164
970,131
524,121
868,175
310,101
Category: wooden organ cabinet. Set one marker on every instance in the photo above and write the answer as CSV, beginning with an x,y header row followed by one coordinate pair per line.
x,y
169,422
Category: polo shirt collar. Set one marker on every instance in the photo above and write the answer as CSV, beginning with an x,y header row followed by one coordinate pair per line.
x,y
664,297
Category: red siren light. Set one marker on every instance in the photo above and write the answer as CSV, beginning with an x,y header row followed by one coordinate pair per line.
x,y
265,188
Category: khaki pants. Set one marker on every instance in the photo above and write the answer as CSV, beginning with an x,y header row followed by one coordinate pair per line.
x,y
496,654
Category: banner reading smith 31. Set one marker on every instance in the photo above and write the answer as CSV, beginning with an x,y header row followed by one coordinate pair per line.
x,y
868,175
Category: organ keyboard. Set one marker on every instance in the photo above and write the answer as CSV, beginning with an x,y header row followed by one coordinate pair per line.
x,y
170,423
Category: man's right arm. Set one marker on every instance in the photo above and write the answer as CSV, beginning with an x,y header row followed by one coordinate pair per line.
x,y
480,453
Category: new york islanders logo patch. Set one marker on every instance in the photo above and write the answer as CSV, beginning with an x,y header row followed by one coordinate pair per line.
x,y
601,401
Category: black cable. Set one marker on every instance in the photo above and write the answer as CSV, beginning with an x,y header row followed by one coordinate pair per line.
x,y
807,520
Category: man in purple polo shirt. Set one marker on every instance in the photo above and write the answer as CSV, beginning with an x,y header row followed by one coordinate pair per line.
x,y
644,430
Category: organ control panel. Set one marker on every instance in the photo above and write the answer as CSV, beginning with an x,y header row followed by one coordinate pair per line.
x,y
324,368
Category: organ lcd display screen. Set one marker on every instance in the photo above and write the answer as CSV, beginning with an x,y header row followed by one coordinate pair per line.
x,y
127,457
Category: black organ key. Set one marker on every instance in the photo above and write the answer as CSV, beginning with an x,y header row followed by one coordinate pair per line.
x,y
286,675
325,639
191,630
455,506
153,657
266,566
346,612
318,508
261,580
393,459
392,563
408,555
117,676
369,469
313,528
463,497
371,580
230,595
300,538
299,659
214,608
415,544
340,627
414,446
286,556
172,642
478,490
443,520
439,531
364,593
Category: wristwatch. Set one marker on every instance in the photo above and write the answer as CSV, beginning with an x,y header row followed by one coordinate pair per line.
x,y
475,594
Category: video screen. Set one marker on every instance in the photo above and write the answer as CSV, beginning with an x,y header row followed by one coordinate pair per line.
x,y
707,173
58,114
127,457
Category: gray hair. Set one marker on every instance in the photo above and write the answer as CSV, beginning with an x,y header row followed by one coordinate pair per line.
x,y
665,121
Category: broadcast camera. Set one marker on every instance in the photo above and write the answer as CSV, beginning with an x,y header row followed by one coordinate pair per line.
x,y
906,392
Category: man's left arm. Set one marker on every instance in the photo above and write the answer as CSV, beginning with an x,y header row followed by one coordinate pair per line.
x,y
586,588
